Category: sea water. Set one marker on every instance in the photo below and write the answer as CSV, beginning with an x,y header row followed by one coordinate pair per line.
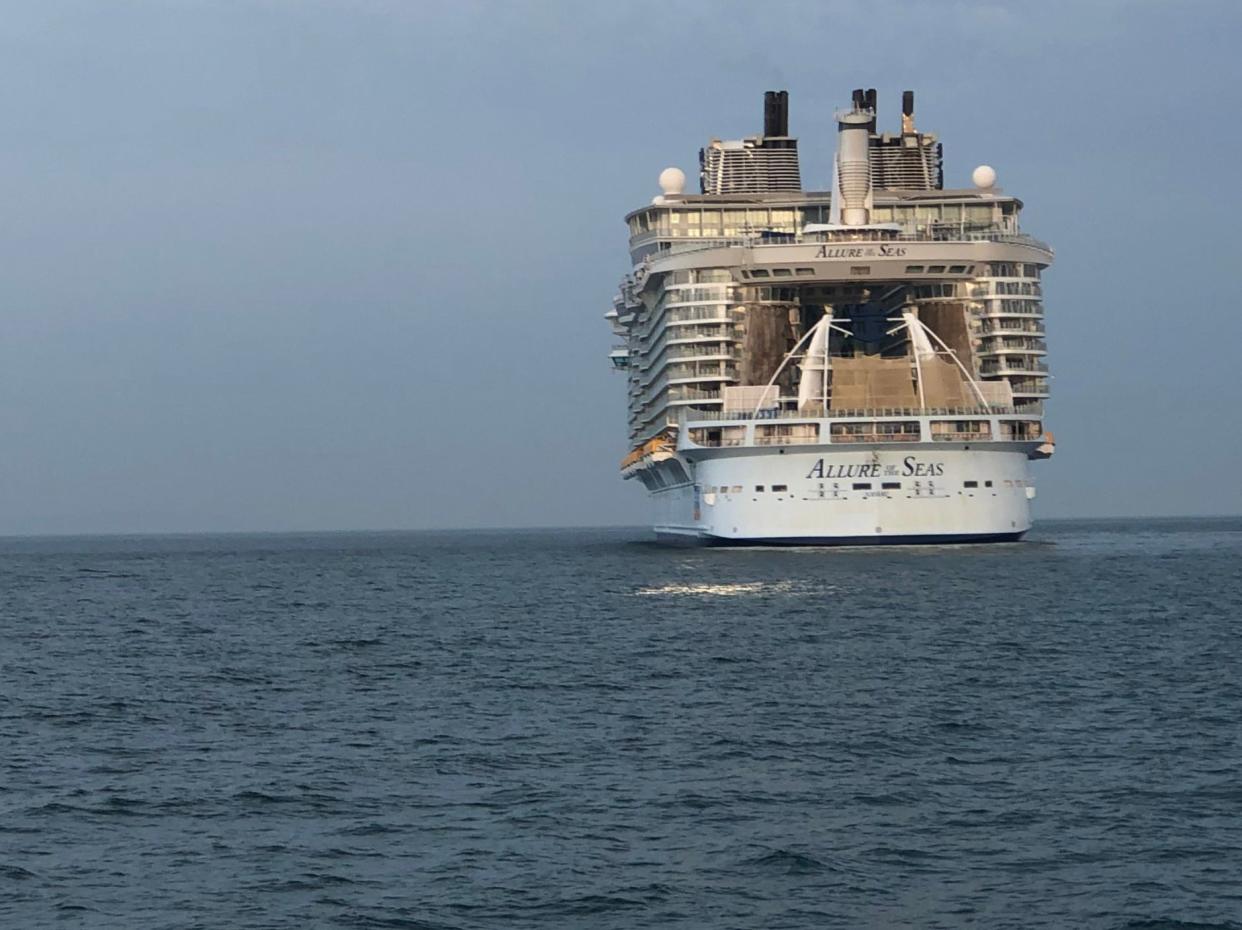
x,y
577,728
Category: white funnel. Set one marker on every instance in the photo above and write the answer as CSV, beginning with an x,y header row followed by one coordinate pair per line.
x,y
853,167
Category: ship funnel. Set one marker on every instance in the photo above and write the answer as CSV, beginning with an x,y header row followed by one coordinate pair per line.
x,y
776,113
907,112
853,167
871,106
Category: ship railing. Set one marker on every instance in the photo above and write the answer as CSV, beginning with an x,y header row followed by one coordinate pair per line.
x,y
1000,368
874,437
995,234
972,436
689,394
850,413
678,352
992,329
786,440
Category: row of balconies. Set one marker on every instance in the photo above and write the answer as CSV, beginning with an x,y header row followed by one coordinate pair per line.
x,y
702,334
1012,365
1025,309
990,345
1006,288
645,417
674,294
682,317
721,351
670,379
993,327
1030,387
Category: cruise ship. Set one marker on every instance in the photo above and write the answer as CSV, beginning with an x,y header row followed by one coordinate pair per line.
x,y
860,365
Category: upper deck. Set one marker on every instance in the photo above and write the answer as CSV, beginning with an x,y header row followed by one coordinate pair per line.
x,y
887,293
685,223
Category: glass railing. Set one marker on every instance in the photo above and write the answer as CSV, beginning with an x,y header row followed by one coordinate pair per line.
x,y
786,440
875,437
992,367
1013,343
989,328
962,437
869,412
930,233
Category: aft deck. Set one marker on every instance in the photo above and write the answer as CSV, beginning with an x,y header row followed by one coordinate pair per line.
x,y
716,430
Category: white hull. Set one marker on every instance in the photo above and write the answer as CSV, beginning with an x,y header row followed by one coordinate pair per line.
x,y
914,493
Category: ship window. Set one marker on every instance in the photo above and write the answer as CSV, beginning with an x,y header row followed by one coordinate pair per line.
x,y
782,272
860,269
737,489
780,487
913,269
935,269
806,271
759,273
862,485
987,484
758,487
891,485
970,484
956,269
960,430
870,431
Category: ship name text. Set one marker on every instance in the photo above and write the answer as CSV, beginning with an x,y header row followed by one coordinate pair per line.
x,y
910,467
869,251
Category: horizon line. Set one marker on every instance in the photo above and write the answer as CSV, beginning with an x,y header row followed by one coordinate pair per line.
x,y
530,528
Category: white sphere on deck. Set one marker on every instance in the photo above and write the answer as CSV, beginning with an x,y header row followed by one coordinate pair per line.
x,y
984,176
672,181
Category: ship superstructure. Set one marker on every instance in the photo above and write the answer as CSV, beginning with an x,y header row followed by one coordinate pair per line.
x,y
859,365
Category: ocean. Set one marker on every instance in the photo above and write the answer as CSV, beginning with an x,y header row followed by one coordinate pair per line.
x,y
576,728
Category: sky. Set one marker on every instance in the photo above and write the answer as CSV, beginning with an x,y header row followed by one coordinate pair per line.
x,y
279,265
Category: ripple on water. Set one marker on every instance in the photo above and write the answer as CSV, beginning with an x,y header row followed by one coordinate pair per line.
x,y
445,731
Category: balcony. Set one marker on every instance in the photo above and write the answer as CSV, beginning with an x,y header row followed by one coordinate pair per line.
x,y
684,394
1012,366
891,431
1014,309
994,345
690,352
990,327
790,412
786,434
1029,387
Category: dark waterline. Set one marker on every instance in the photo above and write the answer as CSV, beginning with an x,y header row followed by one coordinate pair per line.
x,y
577,728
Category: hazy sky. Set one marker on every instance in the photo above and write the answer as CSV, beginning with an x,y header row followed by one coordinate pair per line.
x,y
317,264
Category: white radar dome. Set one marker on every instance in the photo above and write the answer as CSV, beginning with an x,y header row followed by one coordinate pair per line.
x,y
984,176
672,181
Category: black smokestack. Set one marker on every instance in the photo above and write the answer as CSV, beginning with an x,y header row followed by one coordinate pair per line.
x,y
907,103
776,113
860,98
871,107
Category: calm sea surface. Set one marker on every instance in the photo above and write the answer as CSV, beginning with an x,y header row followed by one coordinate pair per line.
x,y
577,729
